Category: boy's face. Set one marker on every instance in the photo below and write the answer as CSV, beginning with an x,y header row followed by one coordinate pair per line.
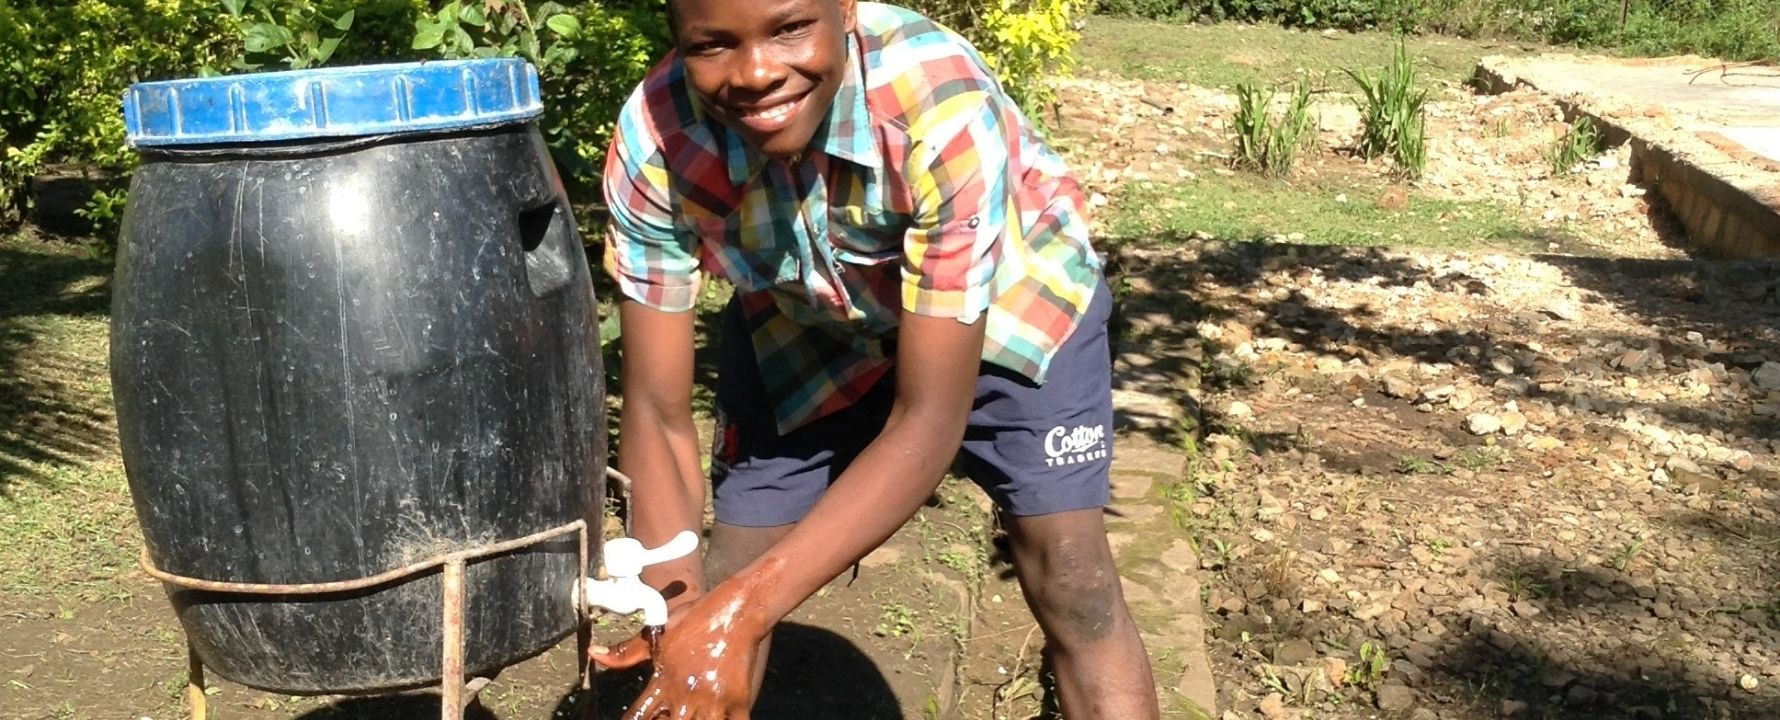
x,y
767,69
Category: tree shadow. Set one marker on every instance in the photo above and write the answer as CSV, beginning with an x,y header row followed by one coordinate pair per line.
x,y
811,673
46,416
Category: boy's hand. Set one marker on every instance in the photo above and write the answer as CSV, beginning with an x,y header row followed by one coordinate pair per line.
x,y
708,651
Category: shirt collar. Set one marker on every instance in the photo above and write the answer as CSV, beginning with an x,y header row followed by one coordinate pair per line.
x,y
846,133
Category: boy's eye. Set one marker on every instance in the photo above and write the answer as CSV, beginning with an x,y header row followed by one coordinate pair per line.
x,y
795,27
703,48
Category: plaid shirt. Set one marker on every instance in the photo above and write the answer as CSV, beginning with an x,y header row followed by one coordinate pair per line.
x,y
926,191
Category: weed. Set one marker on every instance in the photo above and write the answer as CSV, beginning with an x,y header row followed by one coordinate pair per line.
x,y
1521,587
1393,114
1626,552
1581,141
1267,145
1477,459
1418,465
1439,546
896,621
1370,669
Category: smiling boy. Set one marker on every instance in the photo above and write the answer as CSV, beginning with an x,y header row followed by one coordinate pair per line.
x,y
914,283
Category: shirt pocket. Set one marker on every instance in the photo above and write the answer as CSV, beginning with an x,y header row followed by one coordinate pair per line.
x,y
864,237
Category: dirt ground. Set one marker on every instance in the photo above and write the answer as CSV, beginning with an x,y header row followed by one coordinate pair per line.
x,y
1539,486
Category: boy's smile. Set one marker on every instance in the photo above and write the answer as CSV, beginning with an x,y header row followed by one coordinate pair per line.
x,y
767,69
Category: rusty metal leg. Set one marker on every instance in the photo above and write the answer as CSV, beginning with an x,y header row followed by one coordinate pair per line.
x,y
194,684
585,704
451,685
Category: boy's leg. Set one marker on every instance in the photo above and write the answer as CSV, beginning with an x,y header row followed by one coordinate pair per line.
x,y
1044,453
1067,576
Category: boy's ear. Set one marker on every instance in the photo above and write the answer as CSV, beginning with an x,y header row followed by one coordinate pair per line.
x,y
849,14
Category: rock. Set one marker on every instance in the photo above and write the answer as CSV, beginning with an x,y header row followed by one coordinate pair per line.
x,y
1262,535
1436,394
1329,576
1461,400
1482,424
1395,698
1334,670
1512,422
1394,198
1748,683
1179,557
1767,377
1524,609
1312,606
1545,443
1273,707
1563,310
1398,385
1293,651
1239,410
1512,708
1423,714
1580,695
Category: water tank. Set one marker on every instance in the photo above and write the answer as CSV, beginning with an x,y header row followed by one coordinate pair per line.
x,y
353,328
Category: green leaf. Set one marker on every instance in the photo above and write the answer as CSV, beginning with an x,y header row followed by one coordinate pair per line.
x,y
565,25
345,22
461,40
233,6
429,37
326,50
473,15
260,37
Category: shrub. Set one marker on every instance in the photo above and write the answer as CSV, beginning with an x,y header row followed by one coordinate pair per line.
x,y
1264,144
1392,114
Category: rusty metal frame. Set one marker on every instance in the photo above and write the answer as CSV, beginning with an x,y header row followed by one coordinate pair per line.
x,y
454,693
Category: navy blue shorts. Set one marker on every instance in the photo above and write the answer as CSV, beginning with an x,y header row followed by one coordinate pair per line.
x,y
1036,449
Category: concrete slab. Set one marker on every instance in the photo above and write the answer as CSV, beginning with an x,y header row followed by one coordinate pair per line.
x,y
1706,134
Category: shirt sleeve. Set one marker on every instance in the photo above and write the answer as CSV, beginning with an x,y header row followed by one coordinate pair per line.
x,y
652,258
958,177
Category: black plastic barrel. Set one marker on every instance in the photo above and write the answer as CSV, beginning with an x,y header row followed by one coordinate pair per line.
x,y
353,328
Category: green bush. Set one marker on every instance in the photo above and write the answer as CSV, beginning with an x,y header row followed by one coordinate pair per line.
x,y
1267,145
1393,118
1581,141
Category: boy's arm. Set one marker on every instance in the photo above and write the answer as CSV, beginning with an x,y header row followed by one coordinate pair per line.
x,y
660,449
936,373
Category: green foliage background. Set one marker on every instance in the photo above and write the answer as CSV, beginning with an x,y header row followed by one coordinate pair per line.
x,y
64,65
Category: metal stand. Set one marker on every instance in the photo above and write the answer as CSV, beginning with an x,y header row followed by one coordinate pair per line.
x,y
454,693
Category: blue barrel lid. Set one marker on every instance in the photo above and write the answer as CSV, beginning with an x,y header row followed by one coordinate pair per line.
x,y
331,102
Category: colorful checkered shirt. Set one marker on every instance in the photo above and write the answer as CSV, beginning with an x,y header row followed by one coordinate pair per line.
x,y
926,191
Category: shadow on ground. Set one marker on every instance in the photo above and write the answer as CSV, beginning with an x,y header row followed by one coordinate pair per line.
x,y
812,673
44,416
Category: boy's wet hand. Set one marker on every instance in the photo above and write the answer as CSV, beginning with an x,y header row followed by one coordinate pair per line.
x,y
704,660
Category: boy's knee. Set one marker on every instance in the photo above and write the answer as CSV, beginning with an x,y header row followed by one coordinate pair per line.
x,y
1077,595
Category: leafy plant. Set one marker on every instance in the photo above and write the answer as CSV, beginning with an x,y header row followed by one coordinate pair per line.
x,y
104,212
1581,141
1393,114
1370,669
287,34
1265,144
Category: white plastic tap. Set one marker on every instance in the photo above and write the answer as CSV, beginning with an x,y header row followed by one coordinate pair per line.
x,y
623,591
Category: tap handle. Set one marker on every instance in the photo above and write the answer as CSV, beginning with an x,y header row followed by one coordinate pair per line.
x,y
626,557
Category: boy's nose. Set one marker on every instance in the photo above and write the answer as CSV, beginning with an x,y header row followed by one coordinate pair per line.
x,y
756,70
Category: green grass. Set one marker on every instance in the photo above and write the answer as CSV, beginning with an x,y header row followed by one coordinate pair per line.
x,y
64,506
1226,54
1243,207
